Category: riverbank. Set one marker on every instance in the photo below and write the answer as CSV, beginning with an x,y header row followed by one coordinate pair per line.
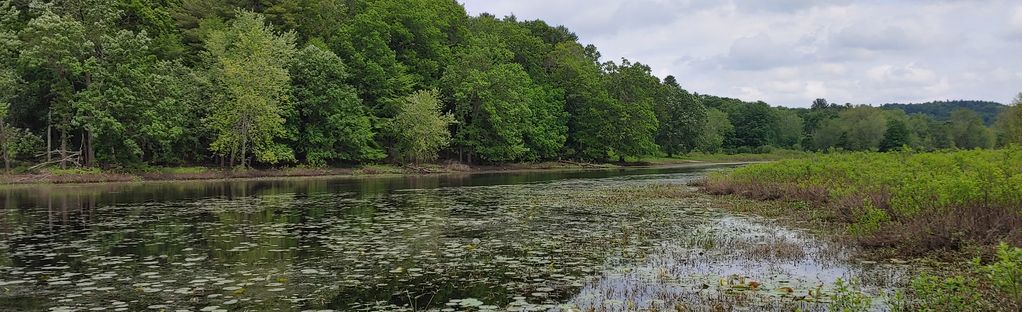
x,y
96,175
84,176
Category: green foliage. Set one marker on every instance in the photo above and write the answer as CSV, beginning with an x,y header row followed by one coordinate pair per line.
x,y
503,115
1009,123
896,137
753,125
910,182
941,110
632,88
956,293
590,109
856,129
1005,274
848,297
968,130
131,83
420,128
787,129
715,131
331,122
681,117
250,69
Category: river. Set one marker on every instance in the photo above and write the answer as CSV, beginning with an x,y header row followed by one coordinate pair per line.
x,y
603,240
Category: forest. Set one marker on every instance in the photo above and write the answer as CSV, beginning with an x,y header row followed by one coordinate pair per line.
x,y
241,83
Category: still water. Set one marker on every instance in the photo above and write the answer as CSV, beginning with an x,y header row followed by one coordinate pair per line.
x,y
603,240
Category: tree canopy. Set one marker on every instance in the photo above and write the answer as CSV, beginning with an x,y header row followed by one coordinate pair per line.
x,y
130,84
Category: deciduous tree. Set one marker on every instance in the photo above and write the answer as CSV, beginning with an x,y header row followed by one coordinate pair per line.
x,y
420,128
249,65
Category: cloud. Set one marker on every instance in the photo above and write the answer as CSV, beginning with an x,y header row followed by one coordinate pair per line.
x,y
898,76
875,37
1015,24
759,52
788,52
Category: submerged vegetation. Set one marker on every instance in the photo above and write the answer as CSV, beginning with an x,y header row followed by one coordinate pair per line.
x,y
574,241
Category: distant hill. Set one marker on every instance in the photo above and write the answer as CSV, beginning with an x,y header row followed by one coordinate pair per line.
x,y
941,110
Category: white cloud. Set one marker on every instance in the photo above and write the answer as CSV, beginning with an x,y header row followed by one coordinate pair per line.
x,y
895,76
788,52
1015,25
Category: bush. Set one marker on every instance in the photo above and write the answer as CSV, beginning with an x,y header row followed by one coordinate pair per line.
x,y
955,293
1005,274
848,297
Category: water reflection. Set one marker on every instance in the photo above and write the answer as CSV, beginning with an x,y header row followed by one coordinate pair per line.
x,y
513,241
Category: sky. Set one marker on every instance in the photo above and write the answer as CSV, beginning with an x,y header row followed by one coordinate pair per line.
x,y
789,52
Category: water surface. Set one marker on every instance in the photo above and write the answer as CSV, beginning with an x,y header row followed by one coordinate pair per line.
x,y
522,241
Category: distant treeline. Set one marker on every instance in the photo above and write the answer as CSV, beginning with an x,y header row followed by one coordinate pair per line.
x,y
941,110
124,83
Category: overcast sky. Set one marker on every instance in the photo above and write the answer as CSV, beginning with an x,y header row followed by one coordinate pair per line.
x,y
789,52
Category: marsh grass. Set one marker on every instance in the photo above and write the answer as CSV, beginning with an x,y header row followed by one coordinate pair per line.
x,y
919,204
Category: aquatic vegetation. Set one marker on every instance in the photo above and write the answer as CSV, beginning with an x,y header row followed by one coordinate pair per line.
x,y
606,243
915,202
956,293
847,297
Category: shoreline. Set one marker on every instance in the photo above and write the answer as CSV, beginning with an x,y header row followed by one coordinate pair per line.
x,y
210,174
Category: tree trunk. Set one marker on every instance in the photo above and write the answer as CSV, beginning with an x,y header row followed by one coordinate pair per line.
x,y
3,145
91,152
244,146
63,149
49,138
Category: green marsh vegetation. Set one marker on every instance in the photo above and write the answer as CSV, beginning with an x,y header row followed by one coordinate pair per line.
x,y
948,206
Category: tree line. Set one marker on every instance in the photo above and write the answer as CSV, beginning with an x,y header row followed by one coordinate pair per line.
x,y
126,83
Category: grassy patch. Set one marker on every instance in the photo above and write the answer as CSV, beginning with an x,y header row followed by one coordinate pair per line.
x,y
918,203
947,206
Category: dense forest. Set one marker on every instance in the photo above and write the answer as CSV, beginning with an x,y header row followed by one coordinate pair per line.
x,y
941,110
127,84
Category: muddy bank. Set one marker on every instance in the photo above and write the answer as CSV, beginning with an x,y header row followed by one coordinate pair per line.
x,y
202,173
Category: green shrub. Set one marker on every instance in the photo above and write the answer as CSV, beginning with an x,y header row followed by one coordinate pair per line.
x,y
848,297
952,294
1005,274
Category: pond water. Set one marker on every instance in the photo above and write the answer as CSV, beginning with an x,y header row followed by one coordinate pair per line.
x,y
599,240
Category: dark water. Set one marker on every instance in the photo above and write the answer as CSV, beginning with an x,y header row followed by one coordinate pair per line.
x,y
525,241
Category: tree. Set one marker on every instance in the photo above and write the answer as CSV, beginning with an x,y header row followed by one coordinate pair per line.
x,y
632,88
896,137
331,122
856,129
395,46
968,130
503,115
249,64
57,45
588,104
819,104
135,106
9,79
753,123
681,117
420,128
787,129
716,130
1009,123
